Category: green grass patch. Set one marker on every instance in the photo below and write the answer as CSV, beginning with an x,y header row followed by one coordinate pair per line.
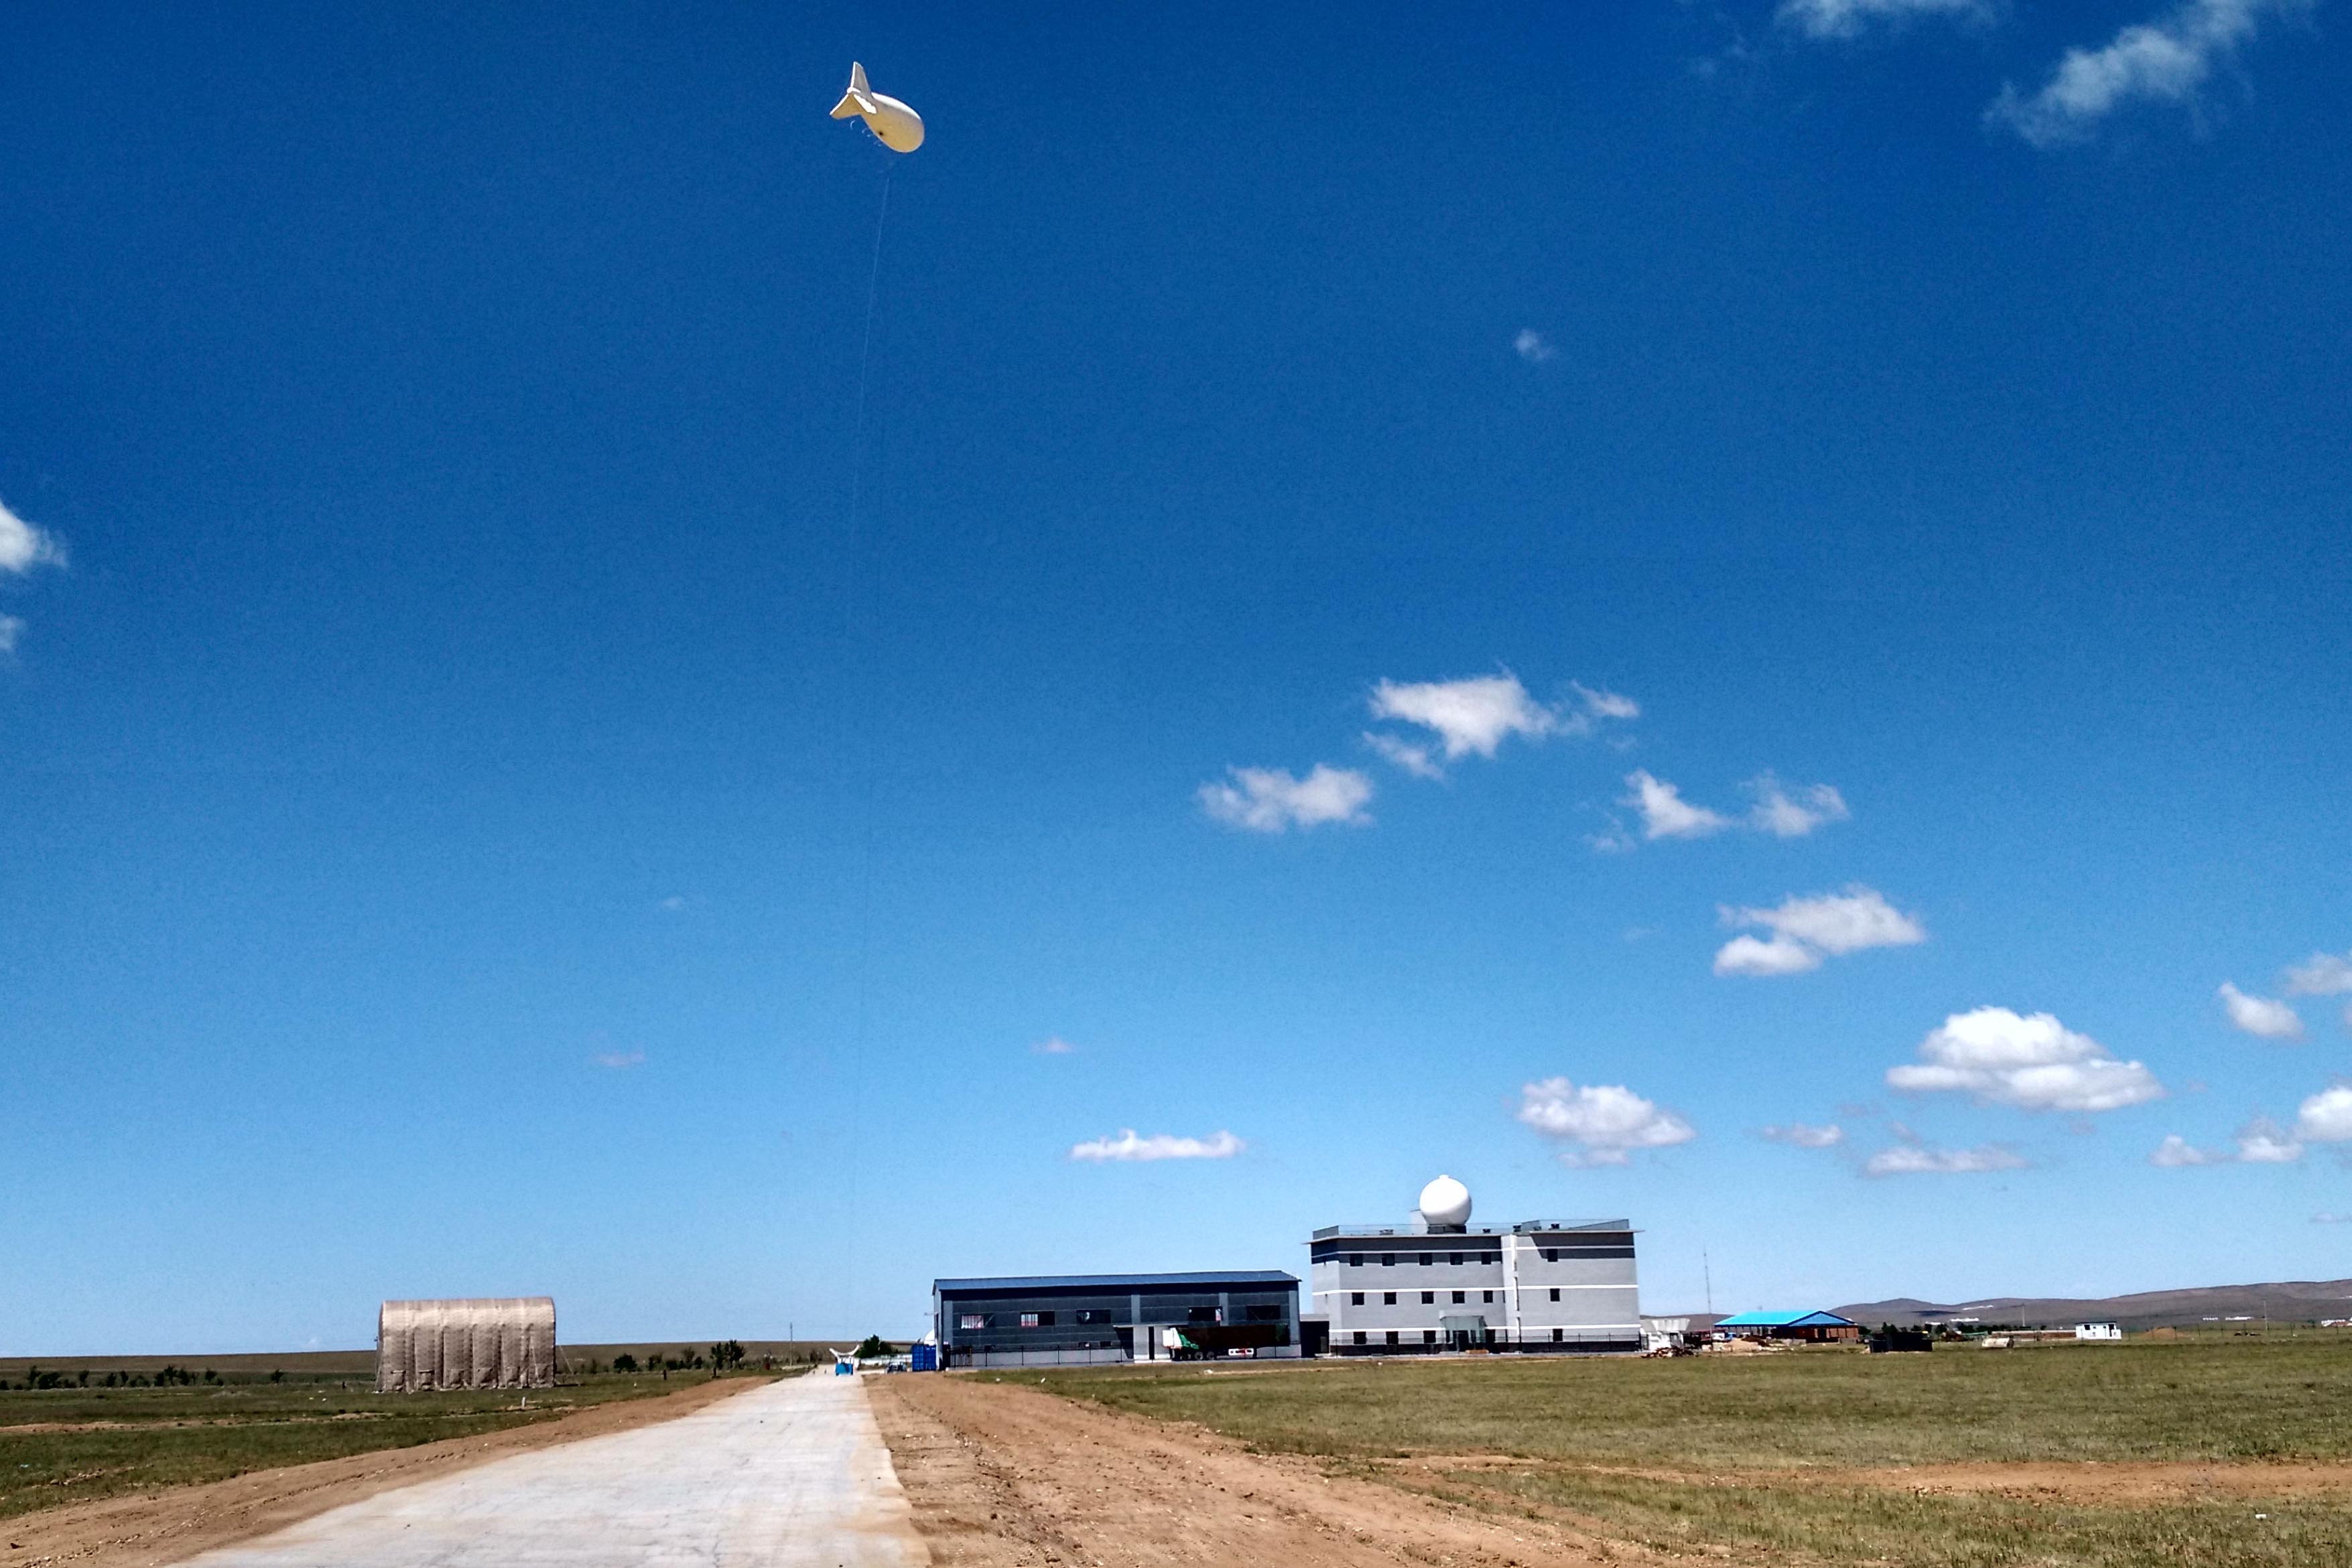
x,y
69,1445
2249,1400
1743,1454
1788,1520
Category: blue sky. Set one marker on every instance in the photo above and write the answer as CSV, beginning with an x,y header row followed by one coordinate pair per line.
x,y
1860,490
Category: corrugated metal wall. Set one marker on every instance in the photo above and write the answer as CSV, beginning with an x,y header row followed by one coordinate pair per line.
x,y
499,1341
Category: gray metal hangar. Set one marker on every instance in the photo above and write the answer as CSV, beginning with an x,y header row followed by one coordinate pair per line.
x,y
1080,1320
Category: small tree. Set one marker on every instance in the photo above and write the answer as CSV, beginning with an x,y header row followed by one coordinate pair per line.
x,y
277,1374
874,1346
625,1362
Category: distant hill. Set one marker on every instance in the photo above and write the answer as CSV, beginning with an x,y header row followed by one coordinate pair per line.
x,y
2289,1301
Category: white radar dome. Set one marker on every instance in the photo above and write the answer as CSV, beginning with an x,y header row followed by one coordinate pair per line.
x,y
1445,1202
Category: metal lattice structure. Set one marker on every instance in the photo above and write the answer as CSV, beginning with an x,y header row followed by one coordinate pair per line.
x,y
498,1341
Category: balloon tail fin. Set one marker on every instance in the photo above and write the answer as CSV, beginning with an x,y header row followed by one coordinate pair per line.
x,y
858,100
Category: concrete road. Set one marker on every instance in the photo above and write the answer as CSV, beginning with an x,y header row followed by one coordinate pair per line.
x,y
793,1475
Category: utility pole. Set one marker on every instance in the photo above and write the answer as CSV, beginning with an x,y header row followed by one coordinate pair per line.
x,y
1706,1272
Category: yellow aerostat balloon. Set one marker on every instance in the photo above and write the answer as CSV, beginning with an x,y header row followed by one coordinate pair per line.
x,y
894,124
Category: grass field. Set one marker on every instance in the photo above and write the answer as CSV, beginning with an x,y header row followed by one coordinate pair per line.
x,y
1785,1458
65,1445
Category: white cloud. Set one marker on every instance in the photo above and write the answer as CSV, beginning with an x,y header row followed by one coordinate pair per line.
x,y
1783,813
1601,1123
2164,61
1838,923
1160,1146
2260,1014
1414,760
1269,800
1473,715
1052,1045
2033,1062
1665,812
2262,1141
1532,346
2325,1117
2322,974
1924,1159
11,628
1804,1137
1804,929
2331,1219
24,547
1747,954
1604,704
1848,19
672,904
618,1059
1784,816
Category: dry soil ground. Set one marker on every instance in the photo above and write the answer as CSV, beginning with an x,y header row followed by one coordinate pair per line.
x,y
1000,1474
143,1530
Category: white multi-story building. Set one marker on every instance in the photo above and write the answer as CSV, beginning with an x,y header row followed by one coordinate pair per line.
x,y
1440,1283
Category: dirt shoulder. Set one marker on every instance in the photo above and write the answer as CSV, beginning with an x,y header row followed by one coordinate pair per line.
x,y
1001,1476
144,1529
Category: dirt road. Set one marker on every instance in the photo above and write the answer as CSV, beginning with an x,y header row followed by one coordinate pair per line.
x,y
1000,1476
144,1529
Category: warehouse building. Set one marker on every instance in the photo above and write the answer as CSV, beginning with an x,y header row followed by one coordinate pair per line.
x,y
502,1341
1441,1283
1082,1319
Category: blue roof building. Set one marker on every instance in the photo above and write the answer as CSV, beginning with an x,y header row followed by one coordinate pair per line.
x,y
1810,1326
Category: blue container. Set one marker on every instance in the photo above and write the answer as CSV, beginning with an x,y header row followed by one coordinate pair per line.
x,y
926,1358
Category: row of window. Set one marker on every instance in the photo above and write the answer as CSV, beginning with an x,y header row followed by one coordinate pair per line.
x,y
1267,1313
1034,1320
1429,1337
1428,1259
1428,1298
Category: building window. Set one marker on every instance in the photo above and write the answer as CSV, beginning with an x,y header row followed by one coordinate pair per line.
x,y
1204,1315
1455,1259
1551,1254
1427,1258
1264,1314
1355,1298
1557,1335
1036,1320
972,1320
1388,1297
1388,1260
1486,1295
1392,1336
1094,1314
1355,1261
1360,1336
1429,1336
1458,1297
1428,1298
1555,1292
